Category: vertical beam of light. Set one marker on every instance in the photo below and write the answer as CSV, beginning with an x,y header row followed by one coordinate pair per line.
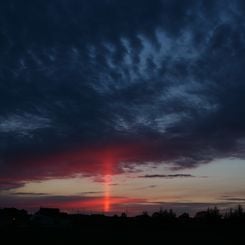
x,y
107,182
107,203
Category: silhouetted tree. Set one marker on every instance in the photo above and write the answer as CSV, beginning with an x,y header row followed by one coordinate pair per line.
x,y
185,217
211,215
235,214
123,215
164,215
239,211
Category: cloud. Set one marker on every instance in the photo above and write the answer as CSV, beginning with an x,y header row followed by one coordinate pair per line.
x,y
159,82
118,204
146,187
91,192
167,176
233,198
85,193
69,203
30,194
10,185
236,199
23,124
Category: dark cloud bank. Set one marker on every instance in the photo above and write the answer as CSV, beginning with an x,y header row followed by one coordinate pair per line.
x,y
166,77
167,176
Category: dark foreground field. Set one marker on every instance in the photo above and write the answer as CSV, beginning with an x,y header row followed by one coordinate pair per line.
x,y
126,235
49,226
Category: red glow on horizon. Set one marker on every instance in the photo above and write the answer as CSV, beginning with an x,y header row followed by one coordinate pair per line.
x,y
86,205
107,203
89,161
108,162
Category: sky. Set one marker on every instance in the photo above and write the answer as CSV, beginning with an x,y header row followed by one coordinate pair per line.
x,y
122,106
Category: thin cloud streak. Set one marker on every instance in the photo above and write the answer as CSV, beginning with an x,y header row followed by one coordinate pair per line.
x,y
167,176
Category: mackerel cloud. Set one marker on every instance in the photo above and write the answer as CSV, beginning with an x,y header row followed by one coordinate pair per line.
x,y
142,81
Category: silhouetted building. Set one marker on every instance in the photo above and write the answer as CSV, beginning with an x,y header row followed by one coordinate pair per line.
x,y
50,217
49,211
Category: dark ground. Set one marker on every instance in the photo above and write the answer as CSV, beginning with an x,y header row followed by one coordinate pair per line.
x,y
49,226
125,235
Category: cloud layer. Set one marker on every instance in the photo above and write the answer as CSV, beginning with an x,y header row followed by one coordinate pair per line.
x,y
159,82
167,176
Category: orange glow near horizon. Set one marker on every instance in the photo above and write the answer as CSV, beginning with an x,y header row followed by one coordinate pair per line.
x,y
107,181
107,202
